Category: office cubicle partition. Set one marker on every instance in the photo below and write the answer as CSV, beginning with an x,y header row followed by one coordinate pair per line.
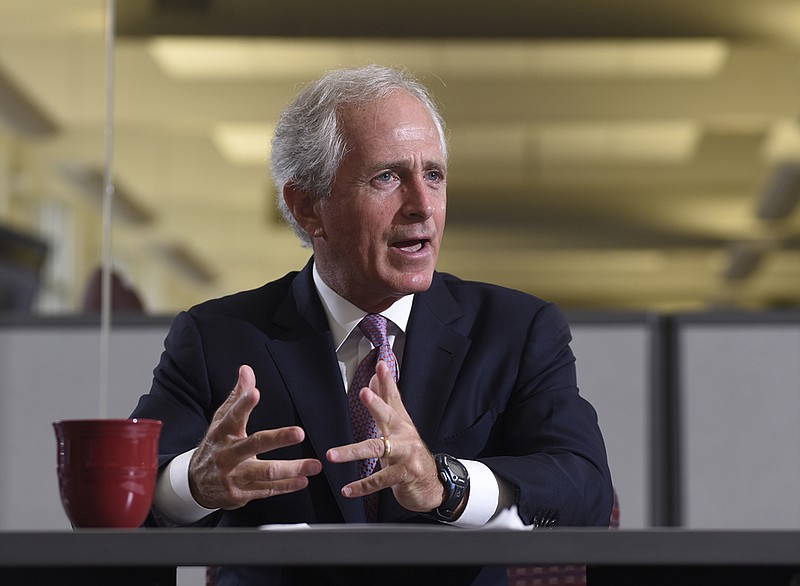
x,y
739,413
701,413
614,358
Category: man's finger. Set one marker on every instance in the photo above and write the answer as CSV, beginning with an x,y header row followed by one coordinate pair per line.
x,y
245,380
384,478
265,441
383,384
234,413
369,448
380,410
254,473
257,479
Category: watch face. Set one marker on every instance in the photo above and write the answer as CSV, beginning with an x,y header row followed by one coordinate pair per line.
x,y
457,469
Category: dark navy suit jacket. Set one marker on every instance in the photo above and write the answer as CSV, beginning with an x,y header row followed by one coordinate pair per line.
x,y
487,375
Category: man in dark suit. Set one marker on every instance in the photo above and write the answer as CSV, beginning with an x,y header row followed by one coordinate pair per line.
x,y
486,413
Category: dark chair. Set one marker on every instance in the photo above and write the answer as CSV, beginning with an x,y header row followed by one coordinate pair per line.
x,y
124,297
566,575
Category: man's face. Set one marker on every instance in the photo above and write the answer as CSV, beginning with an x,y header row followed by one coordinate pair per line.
x,y
378,234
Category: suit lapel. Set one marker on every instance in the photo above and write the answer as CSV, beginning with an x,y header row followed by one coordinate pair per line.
x,y
307,362
433,355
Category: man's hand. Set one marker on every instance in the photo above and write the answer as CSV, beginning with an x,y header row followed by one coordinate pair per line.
x,y
410,471
224,472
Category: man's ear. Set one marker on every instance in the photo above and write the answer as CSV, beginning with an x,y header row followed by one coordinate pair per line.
x,y
303,207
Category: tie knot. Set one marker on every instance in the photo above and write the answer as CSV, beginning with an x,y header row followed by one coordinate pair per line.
x,y
373,327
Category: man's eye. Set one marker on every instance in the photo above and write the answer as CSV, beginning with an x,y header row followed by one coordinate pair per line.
x,y
435,176
384,177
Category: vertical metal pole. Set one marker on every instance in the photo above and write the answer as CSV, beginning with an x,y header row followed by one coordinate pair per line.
x,y
666,479
108,201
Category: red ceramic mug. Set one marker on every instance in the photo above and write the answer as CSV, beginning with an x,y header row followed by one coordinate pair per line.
x,y
107,470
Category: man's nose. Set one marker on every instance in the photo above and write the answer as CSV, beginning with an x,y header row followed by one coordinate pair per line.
x,y
419,201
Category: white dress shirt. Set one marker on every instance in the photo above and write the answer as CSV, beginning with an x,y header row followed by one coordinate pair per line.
x,y
173,499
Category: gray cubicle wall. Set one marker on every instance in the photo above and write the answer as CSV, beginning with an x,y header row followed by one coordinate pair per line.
x,y
614,355
49,369
739,397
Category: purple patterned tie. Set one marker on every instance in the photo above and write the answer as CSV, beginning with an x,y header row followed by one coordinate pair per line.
x,y
373,326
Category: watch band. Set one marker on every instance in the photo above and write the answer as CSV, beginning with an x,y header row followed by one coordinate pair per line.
x,y
455,478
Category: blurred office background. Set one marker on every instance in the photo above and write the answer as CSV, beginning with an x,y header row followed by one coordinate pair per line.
x,y
623,154
635,161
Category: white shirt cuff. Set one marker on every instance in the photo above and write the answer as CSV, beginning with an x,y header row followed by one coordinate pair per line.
x,y
484,495
173,498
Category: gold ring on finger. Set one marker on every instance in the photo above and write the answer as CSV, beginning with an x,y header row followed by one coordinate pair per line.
x,y
387,447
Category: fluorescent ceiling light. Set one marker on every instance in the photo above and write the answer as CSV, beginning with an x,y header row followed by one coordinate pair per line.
x,y
612,142
234,58
243,143
782,141
720,215
619,142
590,58
589,261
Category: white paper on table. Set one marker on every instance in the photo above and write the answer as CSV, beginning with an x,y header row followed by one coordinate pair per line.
x,y
285,526
506,519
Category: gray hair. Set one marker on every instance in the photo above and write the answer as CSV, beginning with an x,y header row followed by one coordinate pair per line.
x,y
308,146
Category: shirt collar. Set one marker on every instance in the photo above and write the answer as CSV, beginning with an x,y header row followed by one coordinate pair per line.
x,y
343,316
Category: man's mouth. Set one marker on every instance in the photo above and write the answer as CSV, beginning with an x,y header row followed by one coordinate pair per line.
x,y
410,245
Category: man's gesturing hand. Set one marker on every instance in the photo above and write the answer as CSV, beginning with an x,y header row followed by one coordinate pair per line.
x,y
224,472
410,470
